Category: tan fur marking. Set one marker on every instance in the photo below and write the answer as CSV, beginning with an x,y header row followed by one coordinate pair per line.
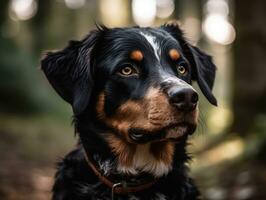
x,y
174,54
136,55
100,106
161,113
124,150
163,151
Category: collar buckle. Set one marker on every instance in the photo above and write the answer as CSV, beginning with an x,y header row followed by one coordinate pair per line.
x,y
113,189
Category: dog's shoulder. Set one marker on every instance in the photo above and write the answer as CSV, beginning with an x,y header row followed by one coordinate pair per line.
x,y
72,173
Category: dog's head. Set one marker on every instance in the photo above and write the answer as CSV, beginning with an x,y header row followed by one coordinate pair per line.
x,y
136,81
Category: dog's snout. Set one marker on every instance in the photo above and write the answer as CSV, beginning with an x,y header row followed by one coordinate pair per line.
x,y
185,99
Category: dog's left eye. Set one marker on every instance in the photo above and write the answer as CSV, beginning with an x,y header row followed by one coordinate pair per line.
x,y
128,70
182,69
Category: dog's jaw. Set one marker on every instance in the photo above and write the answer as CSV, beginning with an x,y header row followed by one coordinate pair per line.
x,y
145,161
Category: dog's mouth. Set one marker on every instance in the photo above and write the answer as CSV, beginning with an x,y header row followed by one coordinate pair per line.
x,y
173,132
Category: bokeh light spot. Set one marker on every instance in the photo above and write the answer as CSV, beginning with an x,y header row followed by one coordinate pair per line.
x,y
144,11
22,9
75,4
218,29
165,8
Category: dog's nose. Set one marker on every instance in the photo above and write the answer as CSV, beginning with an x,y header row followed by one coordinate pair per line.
x,y
185,99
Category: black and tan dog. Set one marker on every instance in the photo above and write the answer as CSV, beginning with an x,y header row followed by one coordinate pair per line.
x,y
134,107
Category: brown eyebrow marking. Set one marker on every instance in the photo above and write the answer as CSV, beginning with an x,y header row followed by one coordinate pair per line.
x,y
174,54
136,55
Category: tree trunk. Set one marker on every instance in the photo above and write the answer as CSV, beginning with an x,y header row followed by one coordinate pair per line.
x,y
249,78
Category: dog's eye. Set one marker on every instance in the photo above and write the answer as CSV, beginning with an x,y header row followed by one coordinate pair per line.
x,y
182,70
128,70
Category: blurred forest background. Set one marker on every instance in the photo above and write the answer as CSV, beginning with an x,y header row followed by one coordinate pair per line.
x,y
35,124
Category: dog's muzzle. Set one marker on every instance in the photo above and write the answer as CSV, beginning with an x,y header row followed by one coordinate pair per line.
x,y
184,99
180,94
170,133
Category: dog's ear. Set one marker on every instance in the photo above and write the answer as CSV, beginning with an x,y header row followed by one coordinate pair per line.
x,y
69,71
203,68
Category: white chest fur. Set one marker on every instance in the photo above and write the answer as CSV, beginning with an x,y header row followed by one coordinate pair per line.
x,y
145,161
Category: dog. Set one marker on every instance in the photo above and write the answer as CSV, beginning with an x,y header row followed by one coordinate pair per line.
x,y
134,108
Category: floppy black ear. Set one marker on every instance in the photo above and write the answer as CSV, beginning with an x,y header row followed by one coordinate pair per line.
x,y
69,72
203,68
205,72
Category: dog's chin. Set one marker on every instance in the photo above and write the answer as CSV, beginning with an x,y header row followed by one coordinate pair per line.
x,y
174,133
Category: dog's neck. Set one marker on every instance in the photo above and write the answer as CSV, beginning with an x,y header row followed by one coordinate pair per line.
x,y
114,155
133,159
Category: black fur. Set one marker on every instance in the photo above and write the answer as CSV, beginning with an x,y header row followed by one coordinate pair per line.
x,y
81,71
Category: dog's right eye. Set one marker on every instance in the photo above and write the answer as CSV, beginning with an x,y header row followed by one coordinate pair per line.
x,y
181,69
128,70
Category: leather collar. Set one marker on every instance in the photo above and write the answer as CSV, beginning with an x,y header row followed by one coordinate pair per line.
x,y
122,187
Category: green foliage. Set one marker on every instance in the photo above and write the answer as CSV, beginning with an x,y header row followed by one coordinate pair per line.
x,y
23,89
15,79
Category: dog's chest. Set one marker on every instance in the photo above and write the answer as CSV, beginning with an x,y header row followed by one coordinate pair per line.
x,y
144,161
